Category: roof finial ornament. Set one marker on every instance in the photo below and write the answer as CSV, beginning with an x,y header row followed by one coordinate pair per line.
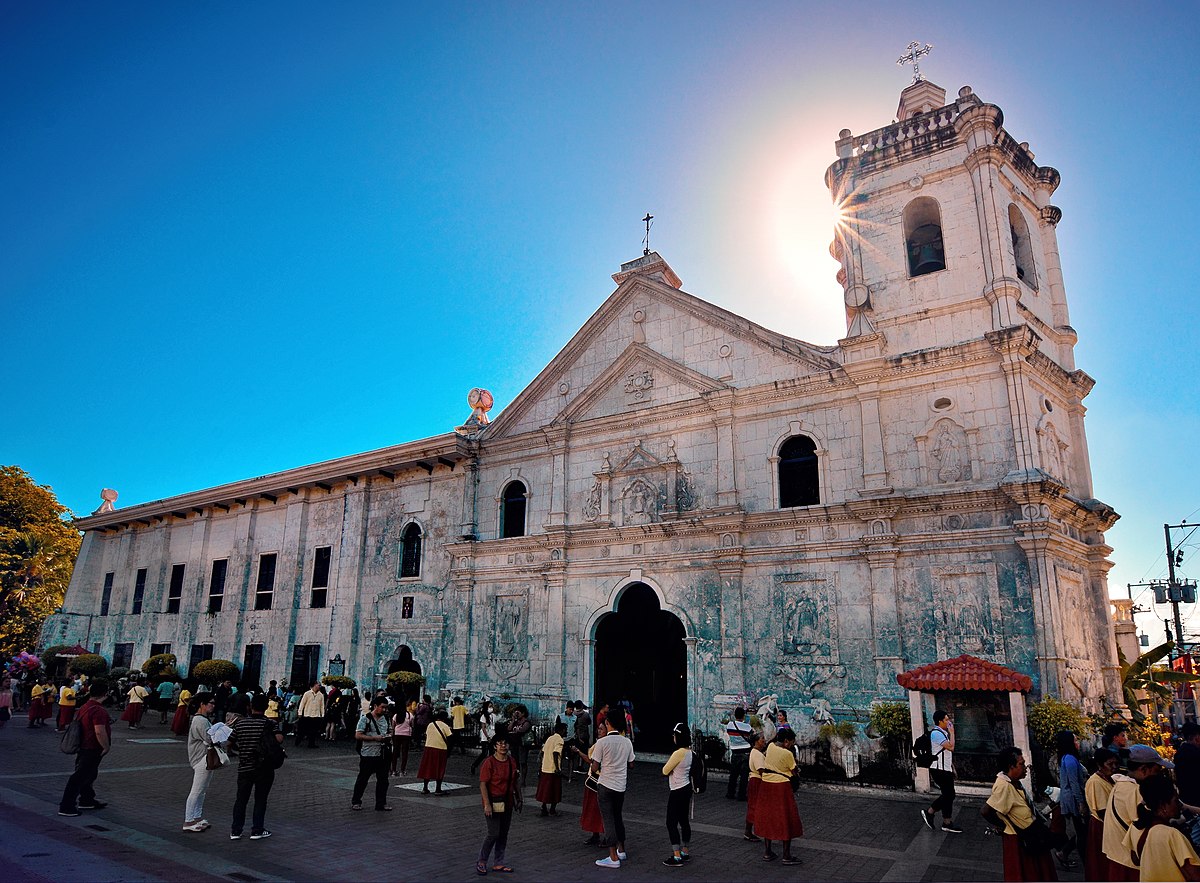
x,y
646,239
915,53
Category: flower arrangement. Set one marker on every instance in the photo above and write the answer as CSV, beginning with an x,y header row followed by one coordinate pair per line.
x,y
340,681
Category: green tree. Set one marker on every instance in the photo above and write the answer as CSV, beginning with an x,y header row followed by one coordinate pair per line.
x,y
1142,676
38,546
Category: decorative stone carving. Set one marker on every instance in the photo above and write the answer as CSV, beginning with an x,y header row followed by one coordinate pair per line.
x,y
967,606
109,496
808,617
481,402
1052,459
948,457
591,509
509,627
638,387
639,503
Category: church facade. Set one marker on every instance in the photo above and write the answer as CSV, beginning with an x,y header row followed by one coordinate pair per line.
x,y
684,506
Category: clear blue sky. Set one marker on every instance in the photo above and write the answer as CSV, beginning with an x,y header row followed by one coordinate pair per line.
x,y
241,237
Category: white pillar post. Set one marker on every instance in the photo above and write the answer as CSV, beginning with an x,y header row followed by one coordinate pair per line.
x,y
916,716
1020,726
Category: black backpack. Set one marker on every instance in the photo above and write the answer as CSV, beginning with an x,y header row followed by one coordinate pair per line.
x,y
272,751
922,750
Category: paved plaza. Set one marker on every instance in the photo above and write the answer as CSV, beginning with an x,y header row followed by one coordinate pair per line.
x,y
853,835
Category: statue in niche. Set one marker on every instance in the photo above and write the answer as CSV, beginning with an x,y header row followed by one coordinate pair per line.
x,y
806,631
508,626
1053,454
591,509
640,503
948,457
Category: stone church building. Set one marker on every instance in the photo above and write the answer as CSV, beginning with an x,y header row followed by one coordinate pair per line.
x,y
683,505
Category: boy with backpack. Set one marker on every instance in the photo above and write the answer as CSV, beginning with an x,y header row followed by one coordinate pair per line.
x,y
940,754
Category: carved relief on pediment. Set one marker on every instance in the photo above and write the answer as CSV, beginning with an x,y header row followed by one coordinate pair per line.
x,y
642,488
948,453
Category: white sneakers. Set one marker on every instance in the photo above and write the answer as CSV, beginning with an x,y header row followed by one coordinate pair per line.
x,y
197,826
607,862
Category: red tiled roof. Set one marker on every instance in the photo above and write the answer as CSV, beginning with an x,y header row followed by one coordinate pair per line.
x,y
964,673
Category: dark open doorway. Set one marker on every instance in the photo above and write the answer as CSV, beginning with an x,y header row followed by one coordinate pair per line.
x,y
640,656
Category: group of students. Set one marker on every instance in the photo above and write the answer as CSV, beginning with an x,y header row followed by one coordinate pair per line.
x,y
1131,830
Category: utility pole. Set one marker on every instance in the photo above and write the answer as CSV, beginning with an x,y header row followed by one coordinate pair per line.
x,y
1176,591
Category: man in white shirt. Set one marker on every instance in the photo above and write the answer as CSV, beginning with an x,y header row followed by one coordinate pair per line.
x,y
941,771
739,733
611,759
310,715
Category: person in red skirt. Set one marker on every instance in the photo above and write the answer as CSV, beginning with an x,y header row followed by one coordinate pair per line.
x,y
182,721
1097,790
1008,810
758,759
775,813
39,702
549,789
136,706
66,704
433,758
589,818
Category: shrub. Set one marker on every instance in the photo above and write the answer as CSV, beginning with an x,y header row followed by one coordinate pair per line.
x,y
214,671
161,667
115,674
50,655
405,680
891,720
1052,716
842,729
89,664
340,681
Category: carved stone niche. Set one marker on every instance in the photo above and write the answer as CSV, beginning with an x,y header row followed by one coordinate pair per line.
x,y
642,488
949,452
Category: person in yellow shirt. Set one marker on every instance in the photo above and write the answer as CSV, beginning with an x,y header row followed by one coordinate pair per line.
x,y
549,789
136,706
775,813
758,760
433,758
1144,763
1097,790
1160,850
458,723
66,704
182,721
39,702
1009,811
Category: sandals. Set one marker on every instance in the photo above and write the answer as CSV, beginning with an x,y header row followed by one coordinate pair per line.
x,y
502,869
481,869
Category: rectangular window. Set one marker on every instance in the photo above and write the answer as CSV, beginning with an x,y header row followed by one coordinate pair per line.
x,y
200,652
122,655
139,590
406,607
175,593
216,586
320,580
265,589
106,594
159,649
252,665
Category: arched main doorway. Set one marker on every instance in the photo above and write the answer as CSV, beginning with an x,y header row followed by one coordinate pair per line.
x,y
641,656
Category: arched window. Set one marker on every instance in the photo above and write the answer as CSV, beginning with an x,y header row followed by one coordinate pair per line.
x,y
410,551
1022,247
923,237
799,484
512,510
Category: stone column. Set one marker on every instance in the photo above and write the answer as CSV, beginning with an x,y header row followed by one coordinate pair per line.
x,y
1048,637
1014,347
588,666
726,458
556,440
693,674
885,619
733,651
554,667
916,718
875,477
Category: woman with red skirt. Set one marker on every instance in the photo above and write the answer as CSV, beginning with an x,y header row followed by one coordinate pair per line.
x,y
758,759
39,708
1097,790
433,758
182,721
775,813
549,789
589,818
136,706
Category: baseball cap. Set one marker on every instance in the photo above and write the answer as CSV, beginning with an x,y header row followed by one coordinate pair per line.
x,y
1139,754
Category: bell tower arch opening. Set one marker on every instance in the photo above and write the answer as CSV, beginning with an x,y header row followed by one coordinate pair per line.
x,y
641,657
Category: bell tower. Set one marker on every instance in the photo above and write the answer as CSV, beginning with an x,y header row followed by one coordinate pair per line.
x,y
946,230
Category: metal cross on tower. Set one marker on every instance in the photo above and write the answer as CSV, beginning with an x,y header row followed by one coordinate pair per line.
x,y
915,53
646,239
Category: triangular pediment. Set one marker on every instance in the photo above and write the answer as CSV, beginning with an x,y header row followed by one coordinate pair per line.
x,y
640,377
648,326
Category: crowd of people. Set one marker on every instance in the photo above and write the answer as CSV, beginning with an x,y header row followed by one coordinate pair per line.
x,y
1136,816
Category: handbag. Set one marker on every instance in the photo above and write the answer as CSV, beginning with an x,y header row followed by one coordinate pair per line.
x,y
215,758
592,782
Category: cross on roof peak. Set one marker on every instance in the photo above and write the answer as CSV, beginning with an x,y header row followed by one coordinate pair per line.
x,y
915,53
